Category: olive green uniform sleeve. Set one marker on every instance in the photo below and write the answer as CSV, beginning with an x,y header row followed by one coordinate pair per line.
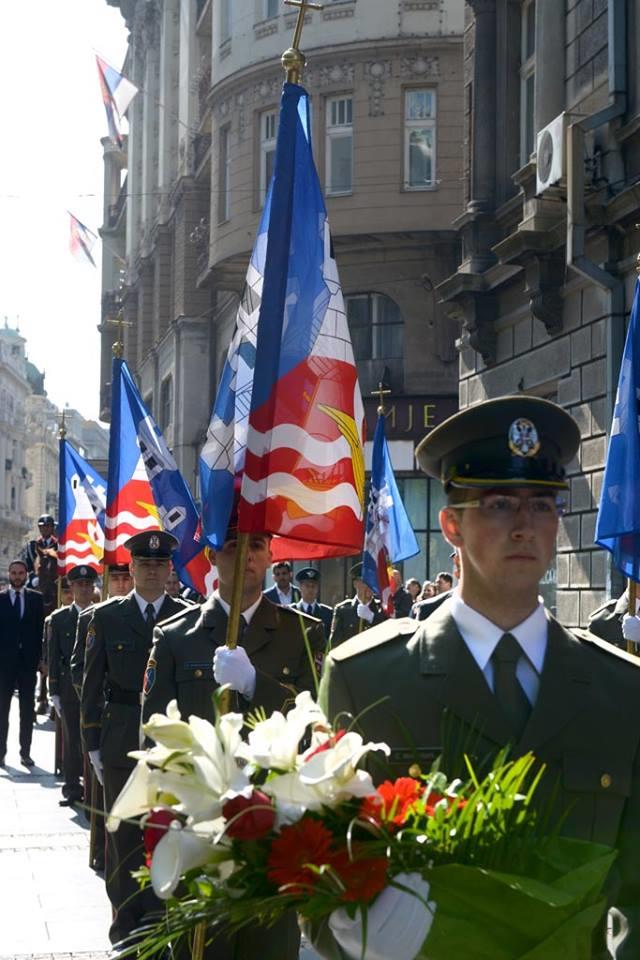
x,y
52,644
77,657
92,699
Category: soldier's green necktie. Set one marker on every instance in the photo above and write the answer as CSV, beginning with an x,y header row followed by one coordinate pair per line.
x,y
506,686
150,612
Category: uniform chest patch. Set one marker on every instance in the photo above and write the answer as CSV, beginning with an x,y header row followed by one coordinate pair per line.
x,y
149,677
91,636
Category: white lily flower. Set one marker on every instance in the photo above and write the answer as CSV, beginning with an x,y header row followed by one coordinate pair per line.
x,y
169,730
338,762
136,797
274,743
178,851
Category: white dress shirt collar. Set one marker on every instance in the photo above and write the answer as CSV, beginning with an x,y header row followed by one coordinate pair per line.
x,y
142,604
247,614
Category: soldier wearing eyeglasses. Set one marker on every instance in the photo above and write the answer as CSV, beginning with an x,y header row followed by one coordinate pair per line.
x,y
491,666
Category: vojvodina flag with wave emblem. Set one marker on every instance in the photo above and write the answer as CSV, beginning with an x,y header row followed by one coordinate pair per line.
x,y
81,504
288,418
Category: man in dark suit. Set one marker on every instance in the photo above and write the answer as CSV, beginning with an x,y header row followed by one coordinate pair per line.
x,y
282,592
401,598
309,581
21,625
355,615
62,635
119,637
492,667
189,660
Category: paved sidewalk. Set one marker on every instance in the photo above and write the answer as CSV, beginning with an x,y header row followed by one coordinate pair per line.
x,y
53,907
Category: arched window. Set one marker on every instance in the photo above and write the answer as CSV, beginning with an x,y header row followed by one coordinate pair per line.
x,y
375,322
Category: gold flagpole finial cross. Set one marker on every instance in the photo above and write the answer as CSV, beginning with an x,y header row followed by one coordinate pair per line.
x,y
293,59
381,393
121,323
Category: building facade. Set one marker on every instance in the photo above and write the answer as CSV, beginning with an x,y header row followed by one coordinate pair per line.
x,y
15,388
549,234
385,80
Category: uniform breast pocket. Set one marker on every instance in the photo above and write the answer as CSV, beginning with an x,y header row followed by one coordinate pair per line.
x,y
597,793
119,645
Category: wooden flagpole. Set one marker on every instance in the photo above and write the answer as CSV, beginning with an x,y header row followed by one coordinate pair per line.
x,y
293,62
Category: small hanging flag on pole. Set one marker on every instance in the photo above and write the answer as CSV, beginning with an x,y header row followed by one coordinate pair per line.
x,y
117,94
81,240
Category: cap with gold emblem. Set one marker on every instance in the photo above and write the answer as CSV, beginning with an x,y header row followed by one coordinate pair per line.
x,y
82,572
152,545
513,441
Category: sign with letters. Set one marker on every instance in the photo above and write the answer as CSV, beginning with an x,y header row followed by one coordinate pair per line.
x,y
409,418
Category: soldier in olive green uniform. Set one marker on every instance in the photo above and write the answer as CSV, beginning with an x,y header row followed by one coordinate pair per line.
x,y
353,616
492,666
118,641
62,635
607,621
119,585
272,664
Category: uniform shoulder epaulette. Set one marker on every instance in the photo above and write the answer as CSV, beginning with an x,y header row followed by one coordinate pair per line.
x,y
399,629
293,611
193,609
608,648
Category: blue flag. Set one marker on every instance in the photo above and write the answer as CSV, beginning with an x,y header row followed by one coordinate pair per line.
x,y
389,536
618,524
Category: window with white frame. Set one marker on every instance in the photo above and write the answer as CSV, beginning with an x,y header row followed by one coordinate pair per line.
x,y
419,139
268,136
224,175
339,155
225,20
271,8
527,80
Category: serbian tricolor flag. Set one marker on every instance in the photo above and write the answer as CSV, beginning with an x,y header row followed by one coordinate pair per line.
x,y
389,536
156,495
82,501
117,93
81,240
291,426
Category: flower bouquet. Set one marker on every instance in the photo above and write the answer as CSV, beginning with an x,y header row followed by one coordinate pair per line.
x,y
238,831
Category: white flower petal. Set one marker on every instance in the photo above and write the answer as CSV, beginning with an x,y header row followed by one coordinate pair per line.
x,y
179,851
136,797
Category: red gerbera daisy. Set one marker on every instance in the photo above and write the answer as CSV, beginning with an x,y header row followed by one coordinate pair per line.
x,y
363,877
307,842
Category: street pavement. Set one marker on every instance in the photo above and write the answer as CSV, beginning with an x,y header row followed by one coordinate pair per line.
x,y
53,906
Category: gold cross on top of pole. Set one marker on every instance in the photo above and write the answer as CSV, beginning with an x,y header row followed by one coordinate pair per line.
x,y
381,393
62,431
118,346
293,60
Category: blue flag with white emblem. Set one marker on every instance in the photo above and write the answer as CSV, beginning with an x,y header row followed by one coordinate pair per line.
x,y
389,536
618,523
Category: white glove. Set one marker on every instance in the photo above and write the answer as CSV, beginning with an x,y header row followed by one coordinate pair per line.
x,y
234,668
55,700
365,612
397,923
96,763
631,628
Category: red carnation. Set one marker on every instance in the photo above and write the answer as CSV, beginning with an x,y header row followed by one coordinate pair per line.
x,y
392,802
306,843
155,827
328,744
249,818
363,878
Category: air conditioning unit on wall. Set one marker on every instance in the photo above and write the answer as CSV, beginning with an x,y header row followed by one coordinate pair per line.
x,y
551,154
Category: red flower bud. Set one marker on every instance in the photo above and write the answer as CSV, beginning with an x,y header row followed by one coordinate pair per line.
x,y
249,818
155,827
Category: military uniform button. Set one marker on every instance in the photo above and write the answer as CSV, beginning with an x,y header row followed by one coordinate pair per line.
x,y
197,673
119,647
286,671
605,781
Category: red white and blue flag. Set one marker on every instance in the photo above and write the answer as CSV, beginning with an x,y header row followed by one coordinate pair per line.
x,y
150,491
81,240
292,426
117,93
389,536
82,501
